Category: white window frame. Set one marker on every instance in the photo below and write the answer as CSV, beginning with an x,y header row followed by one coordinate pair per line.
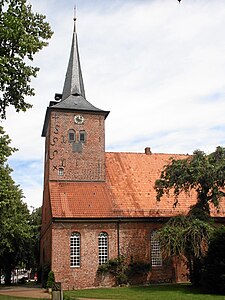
x,y
156,254
75,250
103,247
61,171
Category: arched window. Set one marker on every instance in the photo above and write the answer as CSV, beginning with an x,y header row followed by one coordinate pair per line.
x,y
102,248
156,255
75,249
71,135
83,136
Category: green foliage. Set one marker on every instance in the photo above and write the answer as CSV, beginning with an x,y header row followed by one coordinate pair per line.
x,y
138,268
6,150
44,270
51,279
200,172
15,228
117,267
185,235
189,237
213,278
34,247
22,34
122,271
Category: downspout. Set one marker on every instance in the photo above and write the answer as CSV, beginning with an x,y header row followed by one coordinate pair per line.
x,y
118,238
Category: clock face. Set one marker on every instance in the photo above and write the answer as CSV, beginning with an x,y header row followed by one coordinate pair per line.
x,y
79,119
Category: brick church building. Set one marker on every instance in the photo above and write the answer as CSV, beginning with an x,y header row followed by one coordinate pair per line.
x,y
98,205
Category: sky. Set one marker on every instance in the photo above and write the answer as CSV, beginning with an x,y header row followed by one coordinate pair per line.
x,y
158,66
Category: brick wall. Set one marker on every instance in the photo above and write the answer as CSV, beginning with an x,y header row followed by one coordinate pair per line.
x,y
46,231
45,247
89,165
134,243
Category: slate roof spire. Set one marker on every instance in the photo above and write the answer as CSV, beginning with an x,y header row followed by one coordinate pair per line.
x,y
73,97
73,84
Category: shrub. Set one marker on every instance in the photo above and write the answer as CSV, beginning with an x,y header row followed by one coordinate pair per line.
x,y
51,279
122,271
213,277
139,268
117,267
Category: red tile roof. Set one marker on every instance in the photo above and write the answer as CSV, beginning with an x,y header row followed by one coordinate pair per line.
x,y
127,192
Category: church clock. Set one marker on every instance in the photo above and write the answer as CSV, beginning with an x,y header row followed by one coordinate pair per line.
x,y
79,119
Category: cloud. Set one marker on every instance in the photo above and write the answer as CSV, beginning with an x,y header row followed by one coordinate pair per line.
x,y
158,66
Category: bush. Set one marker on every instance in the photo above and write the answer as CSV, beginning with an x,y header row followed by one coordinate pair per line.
x,y
51,279
43,273
122,271
213,277
139,267
117,267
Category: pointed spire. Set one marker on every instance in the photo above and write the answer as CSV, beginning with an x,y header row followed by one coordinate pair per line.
x,y
73,84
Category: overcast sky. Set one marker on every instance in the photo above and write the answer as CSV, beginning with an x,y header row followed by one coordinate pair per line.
x,y
157,65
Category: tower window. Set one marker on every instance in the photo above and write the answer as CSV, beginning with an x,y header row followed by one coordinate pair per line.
x,y
71,135
82,136
75,249
61,172
102,248
156,254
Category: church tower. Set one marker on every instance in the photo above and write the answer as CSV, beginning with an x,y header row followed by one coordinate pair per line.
x,y
74,130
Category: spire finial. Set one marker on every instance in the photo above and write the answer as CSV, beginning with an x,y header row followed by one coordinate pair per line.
x,y
75,17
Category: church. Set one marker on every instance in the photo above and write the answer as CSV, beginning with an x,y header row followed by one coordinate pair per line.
x,y
99,205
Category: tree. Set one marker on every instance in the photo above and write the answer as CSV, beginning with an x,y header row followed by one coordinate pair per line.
x,y
190,235
34,247
200,172
15,228
22,34
186,236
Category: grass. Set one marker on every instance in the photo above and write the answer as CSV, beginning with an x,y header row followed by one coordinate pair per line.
x,y
153,292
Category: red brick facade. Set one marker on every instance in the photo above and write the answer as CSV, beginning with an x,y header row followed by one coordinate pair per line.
x,y
130,238
88,165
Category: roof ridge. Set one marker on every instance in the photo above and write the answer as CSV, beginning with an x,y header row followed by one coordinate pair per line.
x,y
142,153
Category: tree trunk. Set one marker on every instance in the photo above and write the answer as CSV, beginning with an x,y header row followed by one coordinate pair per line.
x,y
8,276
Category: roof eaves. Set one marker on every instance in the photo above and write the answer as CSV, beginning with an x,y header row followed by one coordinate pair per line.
x,y
51,108
46,121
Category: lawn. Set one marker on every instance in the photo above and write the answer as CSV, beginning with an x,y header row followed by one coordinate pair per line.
x,y
153,292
